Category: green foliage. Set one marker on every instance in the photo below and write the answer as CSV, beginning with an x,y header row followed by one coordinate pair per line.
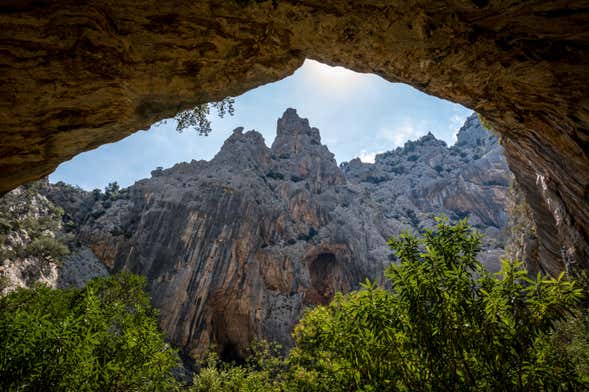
x,y
197,117
103,337
445,324
4,281
263,371
45,247
112,190
572,335
30,226
442,323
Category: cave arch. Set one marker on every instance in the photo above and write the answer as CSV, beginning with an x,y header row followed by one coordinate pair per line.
x,y
76,76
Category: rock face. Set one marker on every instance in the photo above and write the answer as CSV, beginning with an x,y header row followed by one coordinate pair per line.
x,y
77,75
426,178
235,248
35,247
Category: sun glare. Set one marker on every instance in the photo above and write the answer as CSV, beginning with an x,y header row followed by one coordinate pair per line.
x,y
332,78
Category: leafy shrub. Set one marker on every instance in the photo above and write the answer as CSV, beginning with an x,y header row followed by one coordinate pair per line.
x,y
112,190
445,324
263,371
197,117
103,337
413,157
47,248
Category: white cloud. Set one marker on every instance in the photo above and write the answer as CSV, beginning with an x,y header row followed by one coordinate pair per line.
x,y
399,135
369,157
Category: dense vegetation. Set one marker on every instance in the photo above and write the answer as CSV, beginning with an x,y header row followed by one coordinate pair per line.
x,y
103,337
444,324
440,323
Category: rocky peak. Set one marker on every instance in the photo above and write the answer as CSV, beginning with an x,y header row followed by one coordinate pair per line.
x,y
426,178
241,148
473,134
234,249
294,133
298,149
430,139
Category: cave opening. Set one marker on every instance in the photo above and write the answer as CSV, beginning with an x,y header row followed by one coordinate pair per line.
x,y
322,272
230,354
500,59
359,115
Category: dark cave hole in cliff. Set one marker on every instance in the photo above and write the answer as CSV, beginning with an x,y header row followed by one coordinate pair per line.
x,y
322,271
230,353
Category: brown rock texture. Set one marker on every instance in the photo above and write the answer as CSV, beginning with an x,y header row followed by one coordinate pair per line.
x,y
79,74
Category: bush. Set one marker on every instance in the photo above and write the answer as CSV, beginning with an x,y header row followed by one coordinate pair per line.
x,y
263,371
112,191
103,337
46,248
445,324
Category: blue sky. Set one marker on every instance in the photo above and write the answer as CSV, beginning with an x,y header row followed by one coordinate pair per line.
x,y
358,115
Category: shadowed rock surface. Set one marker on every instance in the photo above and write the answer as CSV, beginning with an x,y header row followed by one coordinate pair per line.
x,y
235,248
77,75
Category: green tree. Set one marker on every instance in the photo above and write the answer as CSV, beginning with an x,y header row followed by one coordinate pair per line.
x,y
102,337
112,190
444,324
198,117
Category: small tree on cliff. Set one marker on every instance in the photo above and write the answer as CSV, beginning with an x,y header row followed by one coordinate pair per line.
x,y
197,117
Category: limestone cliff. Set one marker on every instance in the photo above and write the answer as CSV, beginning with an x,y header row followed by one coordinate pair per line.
x,y
76,75
235,248
426,178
